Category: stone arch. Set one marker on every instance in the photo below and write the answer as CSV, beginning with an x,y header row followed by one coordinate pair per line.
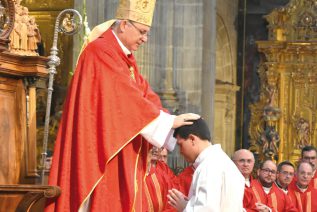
x,y
225,88
224,61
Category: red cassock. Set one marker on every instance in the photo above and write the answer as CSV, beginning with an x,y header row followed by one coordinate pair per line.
x,y
304,201
314,180
99,153
185,179
158,182
182,183
276,199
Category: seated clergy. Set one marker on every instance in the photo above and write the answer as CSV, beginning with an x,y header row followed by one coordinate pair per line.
x,y
302,192
309,154
264,195
244,160
158,181
285,175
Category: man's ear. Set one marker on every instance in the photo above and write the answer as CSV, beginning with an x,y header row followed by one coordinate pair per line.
x,y
192,139
123,25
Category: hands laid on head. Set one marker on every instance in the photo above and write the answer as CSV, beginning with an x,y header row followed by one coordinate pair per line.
x,y
177,199
185,119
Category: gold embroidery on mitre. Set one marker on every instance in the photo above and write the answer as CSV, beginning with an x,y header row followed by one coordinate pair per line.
x,y
140,11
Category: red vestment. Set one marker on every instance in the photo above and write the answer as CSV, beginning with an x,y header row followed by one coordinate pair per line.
x,y
276,199
304,201
99,153
158,182
182,183
185,179
314,180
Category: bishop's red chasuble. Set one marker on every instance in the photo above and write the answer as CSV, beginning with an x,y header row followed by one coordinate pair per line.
x,y
99,154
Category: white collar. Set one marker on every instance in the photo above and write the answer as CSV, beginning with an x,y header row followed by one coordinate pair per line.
x,y
201,157
302,189
267,190
247,182
124,49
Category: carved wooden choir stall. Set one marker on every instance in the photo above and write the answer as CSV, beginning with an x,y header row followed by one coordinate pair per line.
x,y
20,71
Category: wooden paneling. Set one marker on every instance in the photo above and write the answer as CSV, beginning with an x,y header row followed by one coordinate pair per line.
x,y
18,77
11,132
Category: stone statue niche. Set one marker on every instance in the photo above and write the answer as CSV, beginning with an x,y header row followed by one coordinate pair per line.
x,y
25,34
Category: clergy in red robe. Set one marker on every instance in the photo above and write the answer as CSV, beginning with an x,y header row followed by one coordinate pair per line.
x,y
185,179
302,193
264,193
110,113
244,160
158,181
309,154
182,183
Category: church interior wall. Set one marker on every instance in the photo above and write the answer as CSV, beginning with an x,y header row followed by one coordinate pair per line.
x,y
174,59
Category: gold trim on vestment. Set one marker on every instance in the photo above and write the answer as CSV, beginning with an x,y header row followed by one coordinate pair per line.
x,y
135,176
299,200
158,192
308,202
81,205
257,196
274,201
148,198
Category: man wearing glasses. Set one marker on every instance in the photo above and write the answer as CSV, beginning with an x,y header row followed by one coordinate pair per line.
x,y
264,195
309,154
285,175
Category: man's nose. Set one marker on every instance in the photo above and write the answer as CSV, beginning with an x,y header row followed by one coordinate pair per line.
x,y
144,38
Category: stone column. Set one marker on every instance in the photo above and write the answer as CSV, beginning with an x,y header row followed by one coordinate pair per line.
x,y
209,62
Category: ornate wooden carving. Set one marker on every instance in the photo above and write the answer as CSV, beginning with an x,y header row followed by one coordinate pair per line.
x,y
6,22
288,74
21,198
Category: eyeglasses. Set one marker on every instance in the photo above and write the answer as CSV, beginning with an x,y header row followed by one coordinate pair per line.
x,y
287,173
142,32
266,171
309,158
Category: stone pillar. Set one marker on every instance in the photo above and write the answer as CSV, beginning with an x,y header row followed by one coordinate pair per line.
x,y
209,62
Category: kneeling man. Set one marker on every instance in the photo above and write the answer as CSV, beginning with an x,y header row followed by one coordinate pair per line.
x,y
217,183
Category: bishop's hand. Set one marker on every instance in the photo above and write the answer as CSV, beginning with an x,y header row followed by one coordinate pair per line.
x,y
185,119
